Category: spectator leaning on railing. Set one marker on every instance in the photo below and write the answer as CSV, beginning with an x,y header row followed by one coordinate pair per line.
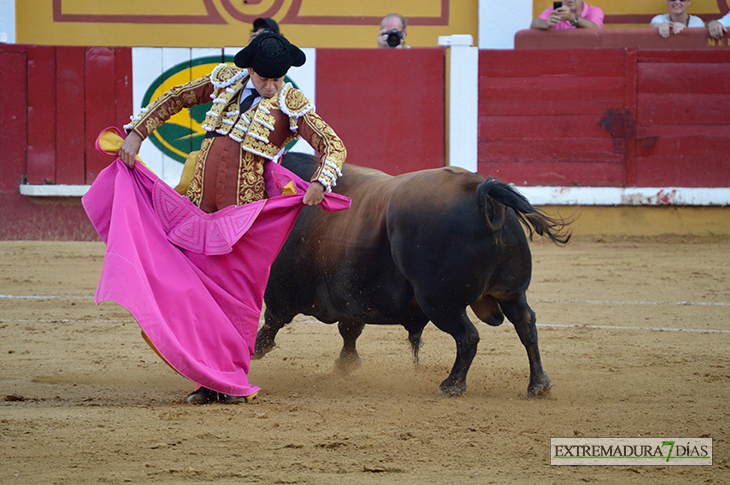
x,y
677,19
569,14
718,28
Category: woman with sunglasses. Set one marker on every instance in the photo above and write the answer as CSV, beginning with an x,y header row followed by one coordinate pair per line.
x,y
677,19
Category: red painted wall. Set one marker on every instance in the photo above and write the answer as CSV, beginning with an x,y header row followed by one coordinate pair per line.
x,y
683,119
540,113
609,117
592,117
387,105
53,103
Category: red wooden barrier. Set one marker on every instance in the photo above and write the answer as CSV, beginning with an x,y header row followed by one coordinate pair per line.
x,y
613,117
387,105
70,130
609,117
683,119
41,115
544,116
13,120
54,102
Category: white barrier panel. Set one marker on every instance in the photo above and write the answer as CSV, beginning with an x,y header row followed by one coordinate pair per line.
x,y
463,101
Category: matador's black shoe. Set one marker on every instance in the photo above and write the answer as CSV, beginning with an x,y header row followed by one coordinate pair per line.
x,y
202,396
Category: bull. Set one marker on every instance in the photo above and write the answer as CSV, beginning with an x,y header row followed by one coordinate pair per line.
x,y
413,248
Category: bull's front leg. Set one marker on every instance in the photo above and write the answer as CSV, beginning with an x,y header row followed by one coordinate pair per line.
x,y
523,318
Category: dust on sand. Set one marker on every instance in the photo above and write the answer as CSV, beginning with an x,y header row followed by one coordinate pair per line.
x,y
84,399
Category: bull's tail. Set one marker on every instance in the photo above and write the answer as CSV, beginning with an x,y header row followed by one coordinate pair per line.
x,y
494,197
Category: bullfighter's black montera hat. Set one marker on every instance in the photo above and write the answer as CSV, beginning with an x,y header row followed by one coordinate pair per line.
x,y
270,55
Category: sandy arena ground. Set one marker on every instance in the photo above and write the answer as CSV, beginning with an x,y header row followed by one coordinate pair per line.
x,y
634,334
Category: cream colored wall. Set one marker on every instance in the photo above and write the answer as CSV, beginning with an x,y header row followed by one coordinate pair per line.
x,y
646,221
340,23
358,28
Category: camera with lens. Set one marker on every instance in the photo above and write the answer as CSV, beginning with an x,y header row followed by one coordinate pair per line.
x,y
395,36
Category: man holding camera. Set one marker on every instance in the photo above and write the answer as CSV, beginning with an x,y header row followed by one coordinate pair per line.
x,y
393,31
569,14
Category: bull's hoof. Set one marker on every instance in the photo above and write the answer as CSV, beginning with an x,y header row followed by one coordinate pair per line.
x,y
541,387
451,390
347,363
261,350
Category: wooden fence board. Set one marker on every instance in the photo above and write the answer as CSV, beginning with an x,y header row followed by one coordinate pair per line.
x,y
550,127
683,170
99,87
123,85
558,62
70,122
41,115
684,78
685,109
579,150
556,173
568,90
13,122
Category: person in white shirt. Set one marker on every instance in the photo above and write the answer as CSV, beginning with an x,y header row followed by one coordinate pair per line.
x,y
677,19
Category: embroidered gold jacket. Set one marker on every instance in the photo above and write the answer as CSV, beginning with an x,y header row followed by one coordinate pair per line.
x,y
262,130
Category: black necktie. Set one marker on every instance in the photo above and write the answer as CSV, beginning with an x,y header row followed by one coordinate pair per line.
x,y
248,101
245,105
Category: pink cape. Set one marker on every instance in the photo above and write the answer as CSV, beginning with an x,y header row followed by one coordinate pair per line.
x,y
194,281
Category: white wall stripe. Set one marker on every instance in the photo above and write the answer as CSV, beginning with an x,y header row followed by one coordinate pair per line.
x,y
540,300
619,327
546,325
614,196
539,196
542,325
46,297
65,320
620,302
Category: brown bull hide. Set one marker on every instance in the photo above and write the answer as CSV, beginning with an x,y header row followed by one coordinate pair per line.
x,y
414,248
